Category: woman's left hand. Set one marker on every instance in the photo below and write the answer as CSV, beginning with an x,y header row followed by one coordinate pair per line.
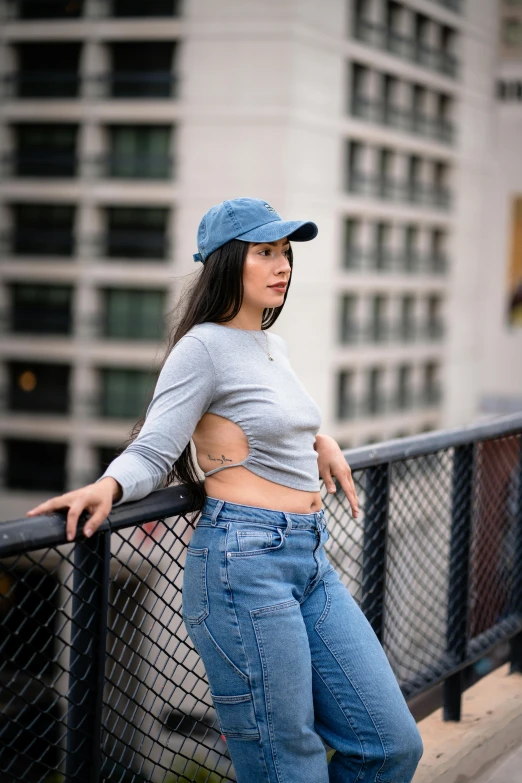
x,y
331,464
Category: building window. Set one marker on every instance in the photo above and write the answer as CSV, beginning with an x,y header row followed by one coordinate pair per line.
x,y
46,150
378,331
48,9
352,250
512,32
142,69
140,152
47,70
41,309
137,8
431,387
35,465
38,387
407,321
43,229
434,324
136,232
133,314
345,399
374,398
125,393
404,391
349,326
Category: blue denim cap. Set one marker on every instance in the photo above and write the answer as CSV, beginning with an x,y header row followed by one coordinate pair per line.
x,y
248,219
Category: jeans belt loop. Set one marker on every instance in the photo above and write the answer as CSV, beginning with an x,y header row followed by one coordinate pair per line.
x,y
288,524
219,506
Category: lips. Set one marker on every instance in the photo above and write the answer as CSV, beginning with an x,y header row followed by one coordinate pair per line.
x,y
279,287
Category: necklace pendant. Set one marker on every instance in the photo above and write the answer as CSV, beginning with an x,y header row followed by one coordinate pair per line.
x,y
271,358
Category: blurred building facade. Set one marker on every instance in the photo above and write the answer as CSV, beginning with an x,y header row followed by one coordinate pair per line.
x,y
122,122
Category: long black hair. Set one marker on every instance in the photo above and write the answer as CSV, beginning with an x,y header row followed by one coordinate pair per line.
x,y
216,295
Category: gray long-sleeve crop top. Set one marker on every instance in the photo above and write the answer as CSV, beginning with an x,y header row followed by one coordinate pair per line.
x,y
223,370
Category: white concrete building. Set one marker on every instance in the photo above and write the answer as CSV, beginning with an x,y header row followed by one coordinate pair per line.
x,y
122,122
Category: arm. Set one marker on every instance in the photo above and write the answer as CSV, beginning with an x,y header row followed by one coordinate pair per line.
x,y
331,462
183,392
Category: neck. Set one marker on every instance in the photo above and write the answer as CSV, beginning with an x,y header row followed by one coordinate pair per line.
x,y
246,320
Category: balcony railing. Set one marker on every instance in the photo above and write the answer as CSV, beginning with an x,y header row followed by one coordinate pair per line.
x,y
101,681
398,262
65,84
129,245
53,165
383,404
119,166
407,192
384,333
407,48
436,128
45,164
29,241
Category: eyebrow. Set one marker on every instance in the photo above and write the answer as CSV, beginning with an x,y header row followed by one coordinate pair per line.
x,y
269,243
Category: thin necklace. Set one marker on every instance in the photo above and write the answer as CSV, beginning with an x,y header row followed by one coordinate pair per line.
x,y
267,350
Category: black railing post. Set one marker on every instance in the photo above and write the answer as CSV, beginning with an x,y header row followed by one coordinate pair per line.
x,y
459,563
516,642
90,600
374,545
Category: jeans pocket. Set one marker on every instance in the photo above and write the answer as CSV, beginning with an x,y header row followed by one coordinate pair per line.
x,y
236,716
252,542
194,595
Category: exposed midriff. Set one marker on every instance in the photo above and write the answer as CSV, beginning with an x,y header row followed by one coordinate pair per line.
x,y
219,440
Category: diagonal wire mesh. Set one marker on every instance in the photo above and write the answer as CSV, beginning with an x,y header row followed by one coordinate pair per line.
x,y
93,630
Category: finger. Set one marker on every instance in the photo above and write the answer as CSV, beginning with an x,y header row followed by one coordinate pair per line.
x,y
49,505
328,480
350,492
94,522
72,519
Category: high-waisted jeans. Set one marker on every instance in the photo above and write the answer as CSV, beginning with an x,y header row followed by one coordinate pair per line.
x,y
289,656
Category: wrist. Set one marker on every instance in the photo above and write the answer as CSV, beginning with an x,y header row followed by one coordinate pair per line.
x,y
117,490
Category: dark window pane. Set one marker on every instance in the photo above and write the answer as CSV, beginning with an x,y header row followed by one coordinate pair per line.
x,y
126,393
48,70
129,8
133,314
136,232
48,9
38,387
35,465
140,152
43,229
142,69
46,150
41,309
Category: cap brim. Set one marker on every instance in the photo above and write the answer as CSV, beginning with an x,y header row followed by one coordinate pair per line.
x,y
294,230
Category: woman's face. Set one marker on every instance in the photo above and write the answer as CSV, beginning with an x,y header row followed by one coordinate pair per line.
x,y
266,264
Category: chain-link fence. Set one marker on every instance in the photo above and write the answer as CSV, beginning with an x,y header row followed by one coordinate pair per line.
x,y
99,680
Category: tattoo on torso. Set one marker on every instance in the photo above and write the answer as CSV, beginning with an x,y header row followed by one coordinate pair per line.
x,y
221,459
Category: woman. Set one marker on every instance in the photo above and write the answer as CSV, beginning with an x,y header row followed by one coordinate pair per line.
x,y
290,658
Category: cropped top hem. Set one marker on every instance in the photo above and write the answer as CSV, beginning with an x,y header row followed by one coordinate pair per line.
x,y
271,474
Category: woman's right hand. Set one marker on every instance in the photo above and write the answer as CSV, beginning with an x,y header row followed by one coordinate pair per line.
x,y
96,498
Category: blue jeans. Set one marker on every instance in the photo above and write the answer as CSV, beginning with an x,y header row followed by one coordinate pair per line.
x,y
289,656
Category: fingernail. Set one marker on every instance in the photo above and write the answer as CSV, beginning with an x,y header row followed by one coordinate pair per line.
x,y
88,532
69,536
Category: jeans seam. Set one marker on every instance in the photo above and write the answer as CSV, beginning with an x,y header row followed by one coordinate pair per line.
x,y
347,719
231,594
223,654
266,689
383,743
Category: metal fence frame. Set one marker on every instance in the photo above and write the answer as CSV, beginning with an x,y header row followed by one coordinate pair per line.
x,y
91,576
